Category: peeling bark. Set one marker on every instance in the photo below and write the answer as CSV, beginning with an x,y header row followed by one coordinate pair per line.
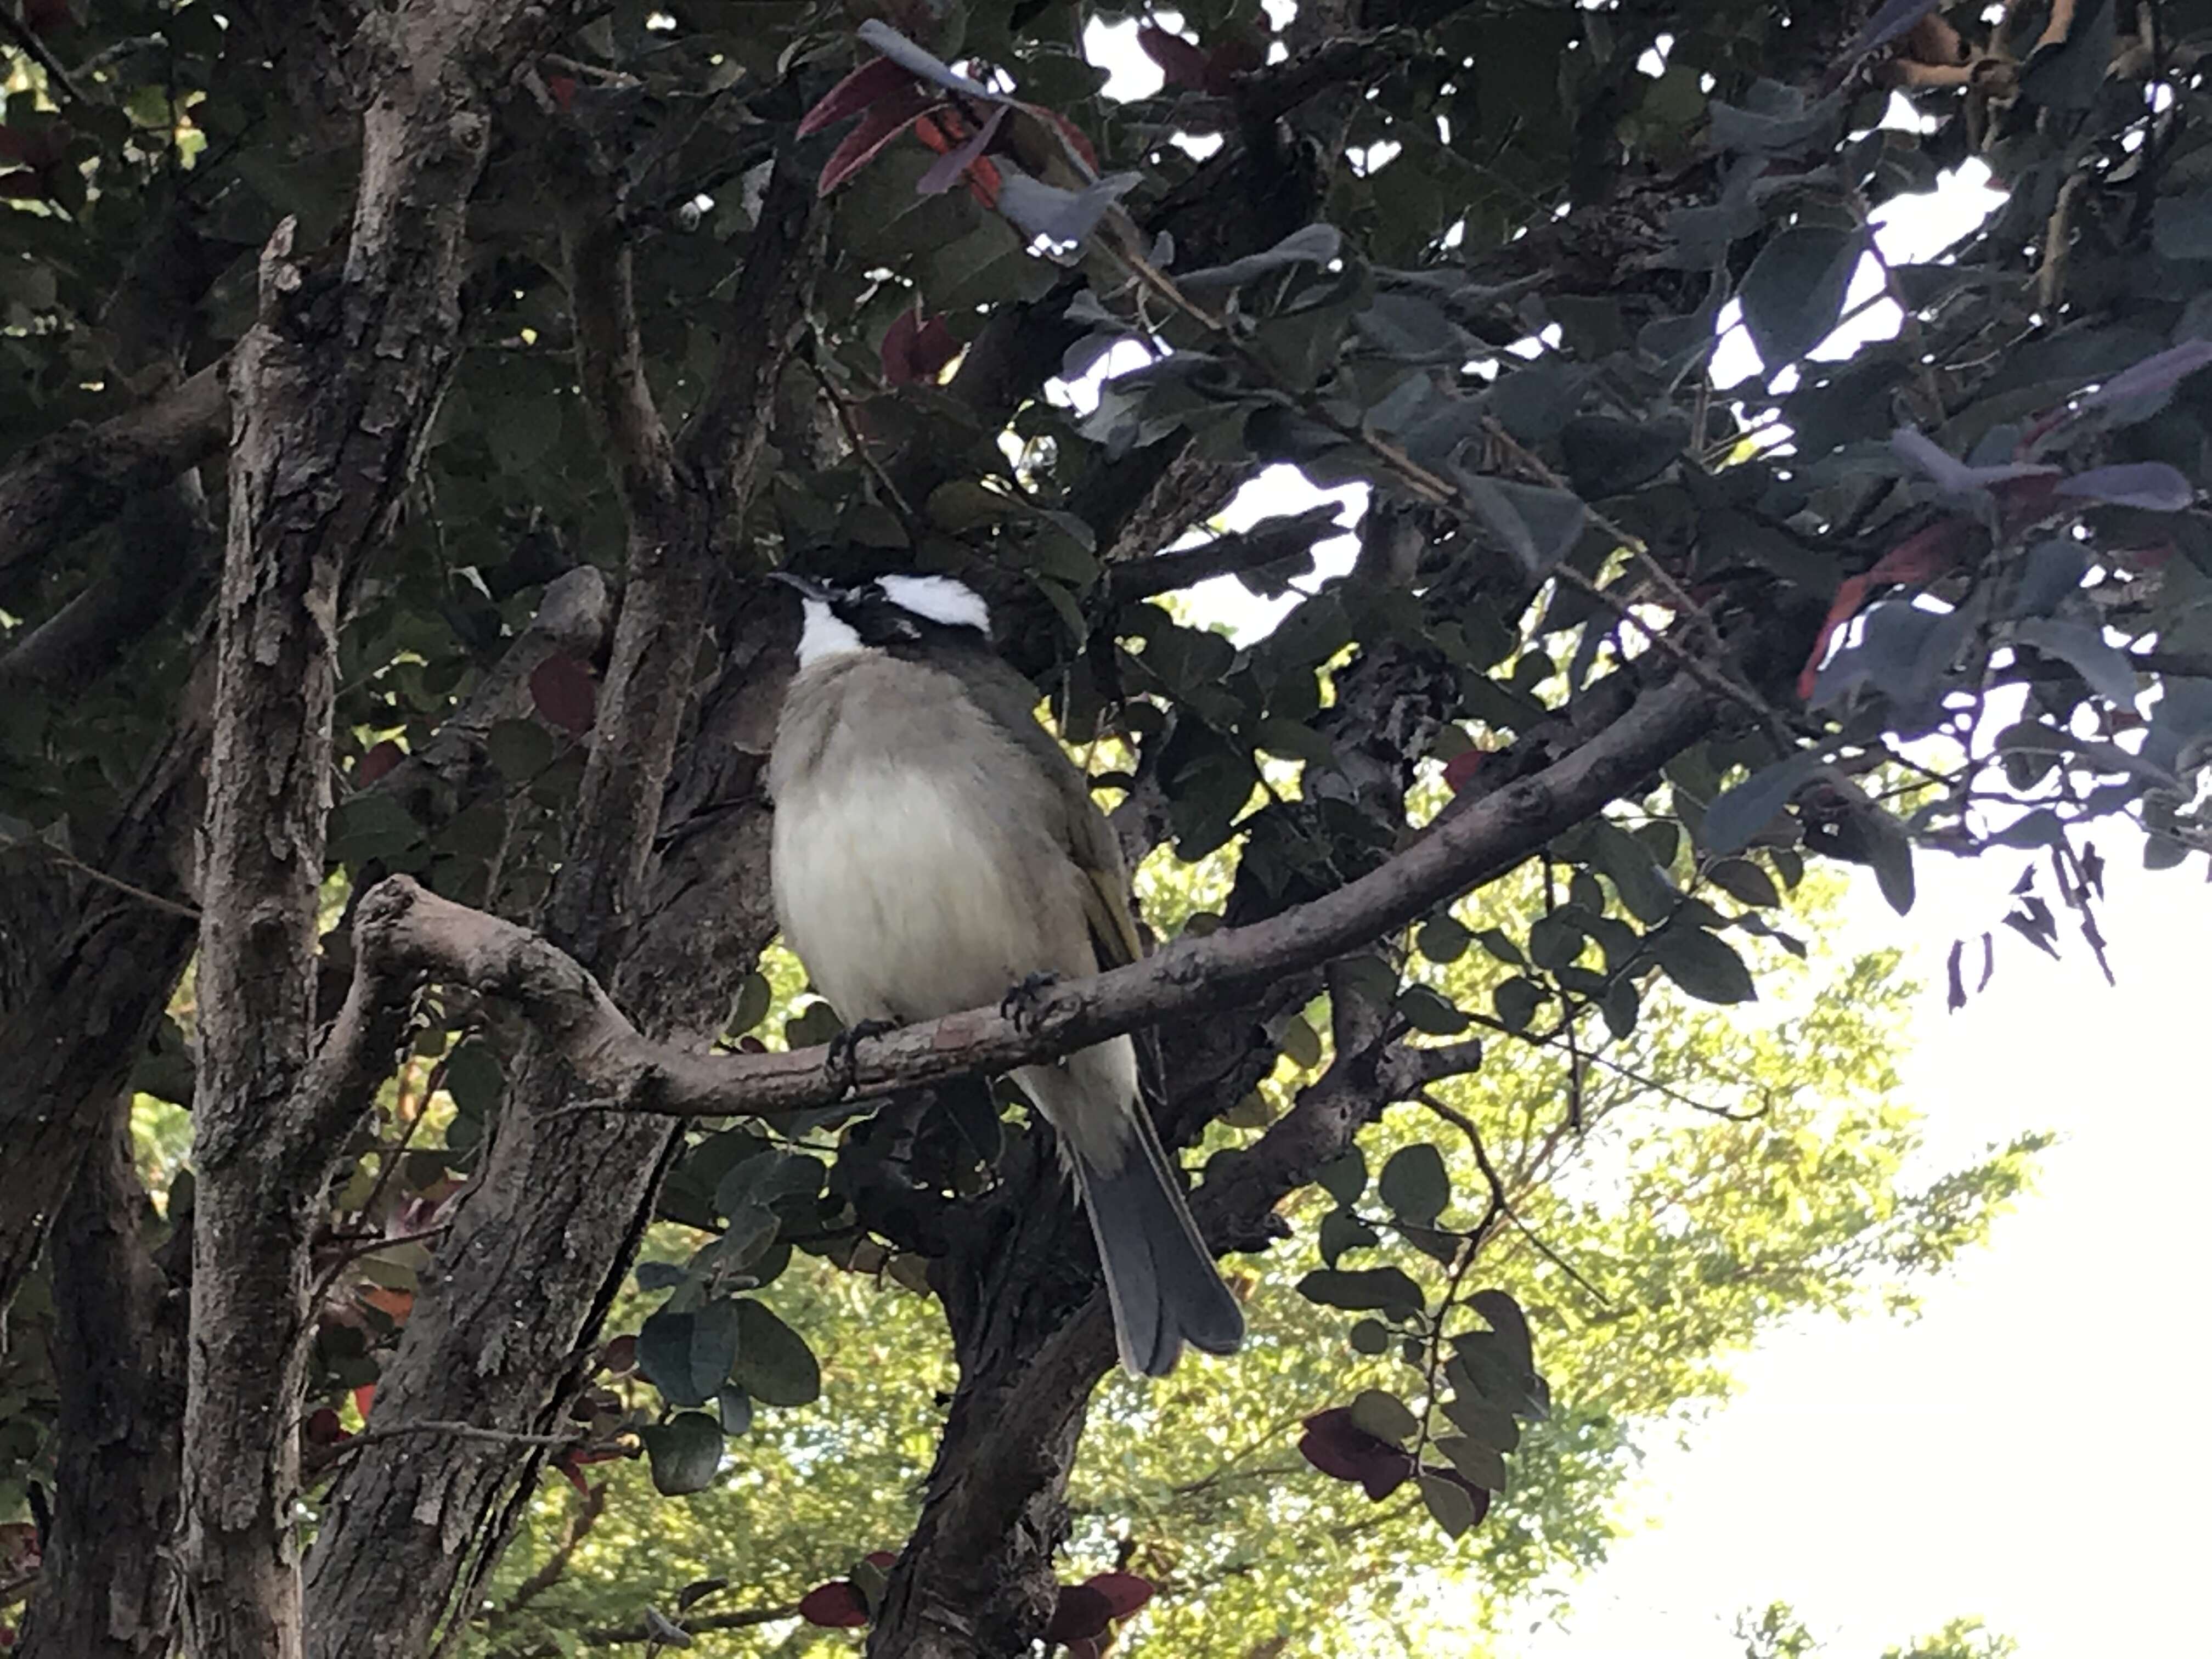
x,y
504,1321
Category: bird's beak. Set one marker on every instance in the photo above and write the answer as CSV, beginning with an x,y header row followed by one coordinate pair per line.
x,y
807,586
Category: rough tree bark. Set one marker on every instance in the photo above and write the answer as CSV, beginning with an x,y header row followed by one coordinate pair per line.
x,y
502,1322
107,1590
333,390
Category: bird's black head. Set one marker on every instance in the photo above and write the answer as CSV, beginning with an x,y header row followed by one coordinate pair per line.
x,y
896,613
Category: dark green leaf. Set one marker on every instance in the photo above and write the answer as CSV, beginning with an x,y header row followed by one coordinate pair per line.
x,y
1370,1336
1450,1504
1385,1416
1703,964
1516,1002
685,1452
1342,1231
773,1364
1442,939
1745,882
1794,292
1365,1289
1739,814
1415,1185
1427,1012
1480,1463
1344,1178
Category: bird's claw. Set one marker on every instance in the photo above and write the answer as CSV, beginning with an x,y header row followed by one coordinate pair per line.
x,y
1019,1004
843,1056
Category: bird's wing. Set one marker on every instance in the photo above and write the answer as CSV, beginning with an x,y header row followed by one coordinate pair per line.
x,y
1011,701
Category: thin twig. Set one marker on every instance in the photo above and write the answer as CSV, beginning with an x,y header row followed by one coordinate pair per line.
x,y
845,419
37,52
69,860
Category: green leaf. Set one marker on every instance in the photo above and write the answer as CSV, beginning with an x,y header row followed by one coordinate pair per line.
x,y
1480,1463
1300,1042
1500,945
1794,292
519,749
1365,1289
1745,882
1344,1178
1342,1231
1370,1336
372,828
1703,964
668,1348
1449,1504
1516,1002
1504,1316
1415,1184
773,1364
1442,939
1426,1010
1555,941
1385,1416
752,1005
1738,814
1484,1425
685,1452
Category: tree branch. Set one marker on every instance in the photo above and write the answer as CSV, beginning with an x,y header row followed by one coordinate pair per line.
x,y
402,929
1284,541
77,479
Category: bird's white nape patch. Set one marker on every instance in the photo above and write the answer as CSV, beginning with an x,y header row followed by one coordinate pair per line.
x,y
823,634
938,599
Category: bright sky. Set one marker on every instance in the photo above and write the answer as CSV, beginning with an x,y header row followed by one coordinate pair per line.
x,y
2028,1452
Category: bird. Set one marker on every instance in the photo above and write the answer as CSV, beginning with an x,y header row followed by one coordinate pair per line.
x,y
935,849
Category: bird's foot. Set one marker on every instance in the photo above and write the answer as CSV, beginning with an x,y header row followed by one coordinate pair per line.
x,y
1020,1004
843,1058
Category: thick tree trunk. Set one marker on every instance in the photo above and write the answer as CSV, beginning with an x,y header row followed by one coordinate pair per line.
x,y
333,390
503,1324
107,1587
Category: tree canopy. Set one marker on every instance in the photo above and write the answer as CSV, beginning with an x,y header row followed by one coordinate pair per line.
x,y
413,402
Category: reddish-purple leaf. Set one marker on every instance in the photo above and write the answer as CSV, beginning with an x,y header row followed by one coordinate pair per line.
x,y
1230,61
833,1606
562,690
376,762
883,122
1182,63
1125,1591
945,172
882,1560
1460,769
1080,1611
2151,485
1338,1447
861,90
914,349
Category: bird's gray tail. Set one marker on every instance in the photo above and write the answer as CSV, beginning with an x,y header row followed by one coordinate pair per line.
x,y
1161,1281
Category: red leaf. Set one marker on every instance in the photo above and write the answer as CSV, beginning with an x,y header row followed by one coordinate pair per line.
x,y
376,762
1077,140
562,690
944,132
866,86
394,1305
1338,1447
916,350
1230,62
620,1355
1182,63
36,147
46,16
1460,769
21,184
567,1465
1126,1590
883,122
883,1559
363,1398
1080,1611
1091,1646
1923,555
833,1606
563,89
323,1428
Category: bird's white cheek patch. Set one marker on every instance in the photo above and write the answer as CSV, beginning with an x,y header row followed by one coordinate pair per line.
x,y
824,634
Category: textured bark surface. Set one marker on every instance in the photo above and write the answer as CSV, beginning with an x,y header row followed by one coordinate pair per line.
x,y
333,390
505,1317
108,1587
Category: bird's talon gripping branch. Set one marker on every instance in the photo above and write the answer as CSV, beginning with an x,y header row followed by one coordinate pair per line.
x,y
1019,1004
843,1056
